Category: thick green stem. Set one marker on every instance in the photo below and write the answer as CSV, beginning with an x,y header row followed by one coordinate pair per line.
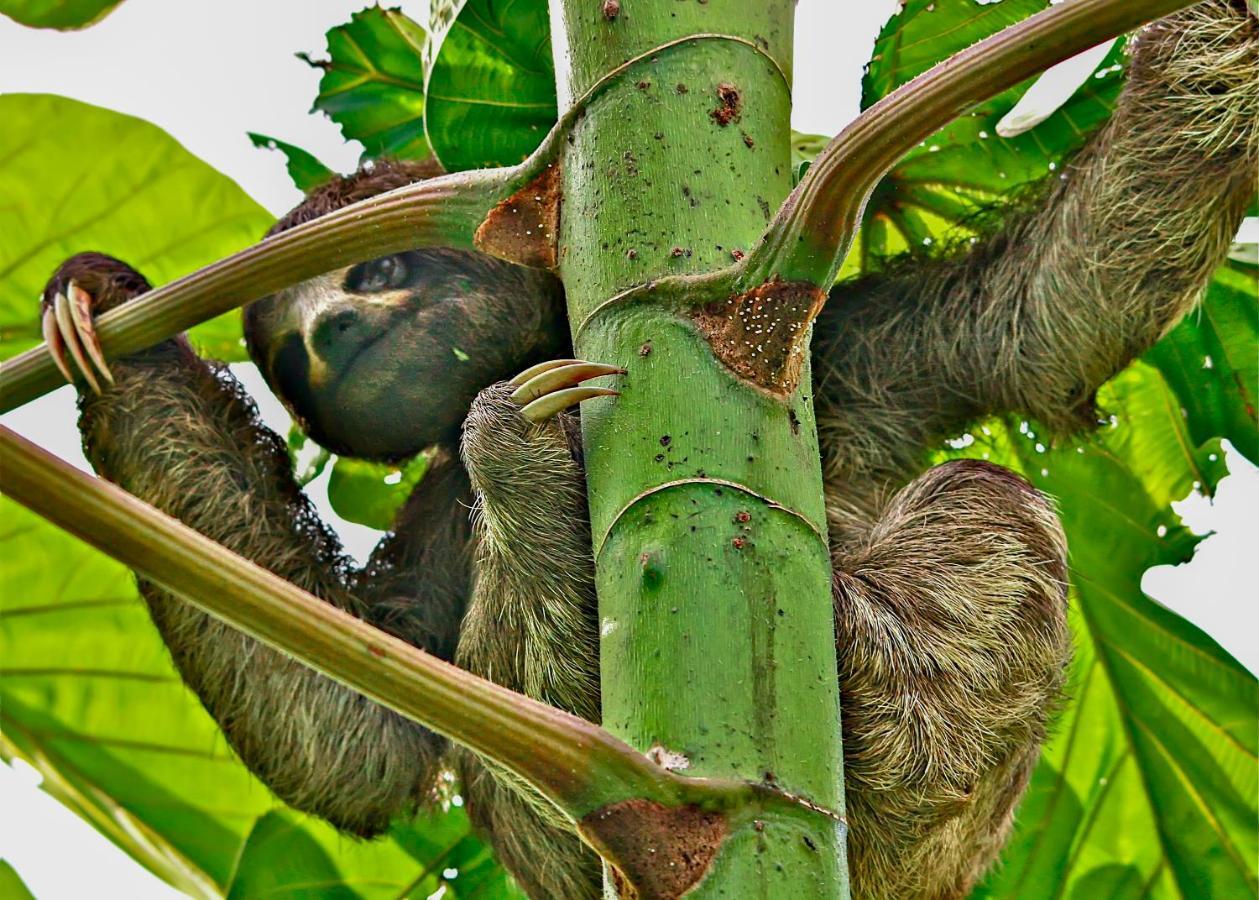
x,y
705,492
814,228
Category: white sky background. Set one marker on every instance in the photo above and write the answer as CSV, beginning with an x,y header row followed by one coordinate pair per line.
x,y
209,72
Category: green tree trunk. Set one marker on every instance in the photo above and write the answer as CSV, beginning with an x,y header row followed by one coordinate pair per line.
x,y
705,490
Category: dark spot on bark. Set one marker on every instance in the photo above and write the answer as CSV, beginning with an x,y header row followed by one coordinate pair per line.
x,y
655,851
524,228
682,89
761,335
665,440
808,842
730,104
652,569
643,85
795,421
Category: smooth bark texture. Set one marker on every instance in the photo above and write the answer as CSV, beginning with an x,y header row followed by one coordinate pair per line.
x,y
705,492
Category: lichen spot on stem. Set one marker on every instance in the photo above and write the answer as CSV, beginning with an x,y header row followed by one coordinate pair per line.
x,y
762,335
524,228
657,852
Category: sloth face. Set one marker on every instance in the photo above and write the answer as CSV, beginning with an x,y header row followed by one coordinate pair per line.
x,y
381,359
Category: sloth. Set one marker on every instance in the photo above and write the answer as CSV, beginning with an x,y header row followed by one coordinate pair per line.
x,y
950,584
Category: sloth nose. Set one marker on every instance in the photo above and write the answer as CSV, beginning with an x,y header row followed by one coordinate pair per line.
x,y
335,337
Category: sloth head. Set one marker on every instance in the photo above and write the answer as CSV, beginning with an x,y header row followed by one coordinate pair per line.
x,y
381,359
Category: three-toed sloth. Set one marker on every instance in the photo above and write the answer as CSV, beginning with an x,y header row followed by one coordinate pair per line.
x,y
949,584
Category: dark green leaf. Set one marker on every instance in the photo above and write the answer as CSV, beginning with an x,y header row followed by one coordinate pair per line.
x,y
373,83
1210,361
280,858
967,166
306,171
122,187
491,83
60,14
372,493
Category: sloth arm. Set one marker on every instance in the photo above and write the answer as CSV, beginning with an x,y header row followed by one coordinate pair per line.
x,y
182,434
1034,318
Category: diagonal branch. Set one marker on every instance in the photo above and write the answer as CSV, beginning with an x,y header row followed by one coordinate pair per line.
x,y
441,212
576,764
808,239
617,797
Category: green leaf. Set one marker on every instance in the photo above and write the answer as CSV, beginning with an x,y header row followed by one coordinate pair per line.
x,y
122,187
491,82
372,493
11,885
278,853
963,169
60,14
308,458
1210,361
373,83
89,698
306,171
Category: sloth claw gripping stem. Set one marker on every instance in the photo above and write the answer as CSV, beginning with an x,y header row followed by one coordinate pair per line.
x,y
551,387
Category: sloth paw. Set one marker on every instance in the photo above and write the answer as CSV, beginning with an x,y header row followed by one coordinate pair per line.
x,y
71,336
547,389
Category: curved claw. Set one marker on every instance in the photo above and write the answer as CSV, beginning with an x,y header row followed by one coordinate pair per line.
x,y
552,404
567,374
56,346
541,367
80,302
69,334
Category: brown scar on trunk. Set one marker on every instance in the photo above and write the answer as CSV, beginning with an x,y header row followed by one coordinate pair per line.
x,y
762,335
657,852
524,228
731,104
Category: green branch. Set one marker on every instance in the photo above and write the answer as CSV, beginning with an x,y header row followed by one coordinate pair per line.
x,y
814,227
574,763
587,773
440,212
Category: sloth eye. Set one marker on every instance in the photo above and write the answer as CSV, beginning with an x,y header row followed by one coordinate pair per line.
x,y
383,274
